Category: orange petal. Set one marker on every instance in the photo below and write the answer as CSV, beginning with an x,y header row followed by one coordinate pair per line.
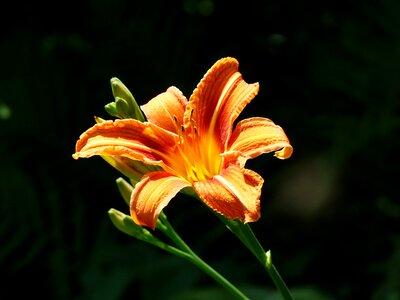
x,y
235,193
219,98
152,194
129,138
255,136
166,110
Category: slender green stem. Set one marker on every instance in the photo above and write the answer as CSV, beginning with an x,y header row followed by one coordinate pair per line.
x,y
248,238
276,278
217,277
167,229
173,250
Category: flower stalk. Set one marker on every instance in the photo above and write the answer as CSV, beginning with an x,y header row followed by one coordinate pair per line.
x,y
248,238
164,226
125,224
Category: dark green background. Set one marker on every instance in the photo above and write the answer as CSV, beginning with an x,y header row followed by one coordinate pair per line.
x,y
329,73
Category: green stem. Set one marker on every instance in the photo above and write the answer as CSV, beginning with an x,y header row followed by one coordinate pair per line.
x,y
167,229
276,278
246,235
173,250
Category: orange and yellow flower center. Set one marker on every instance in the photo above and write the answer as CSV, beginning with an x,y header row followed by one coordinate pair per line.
x,y
198,158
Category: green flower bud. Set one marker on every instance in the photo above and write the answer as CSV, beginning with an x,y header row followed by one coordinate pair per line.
x,y
111,109
123,108
125,105
125,189
125,224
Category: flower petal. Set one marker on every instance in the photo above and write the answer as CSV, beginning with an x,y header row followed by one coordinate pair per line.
x,y
219,98
152,194
129,138
235,193
166,110
255,136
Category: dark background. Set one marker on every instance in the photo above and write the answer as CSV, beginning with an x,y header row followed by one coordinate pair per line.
x,y
329,73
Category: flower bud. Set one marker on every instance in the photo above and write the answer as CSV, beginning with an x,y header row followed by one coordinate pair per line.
x,y
125,105
125,224
125,189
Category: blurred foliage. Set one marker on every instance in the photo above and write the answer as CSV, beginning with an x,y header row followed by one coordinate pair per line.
x,y
329,73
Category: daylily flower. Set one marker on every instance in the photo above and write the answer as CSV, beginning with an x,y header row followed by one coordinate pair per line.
x,y
195,145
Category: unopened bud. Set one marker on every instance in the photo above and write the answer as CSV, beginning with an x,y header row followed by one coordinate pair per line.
x,y
125,105
125,224
125,189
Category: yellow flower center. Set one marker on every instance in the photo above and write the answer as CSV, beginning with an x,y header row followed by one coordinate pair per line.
x,y
198,157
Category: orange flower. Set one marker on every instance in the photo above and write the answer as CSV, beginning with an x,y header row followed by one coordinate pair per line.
x,y
193,142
